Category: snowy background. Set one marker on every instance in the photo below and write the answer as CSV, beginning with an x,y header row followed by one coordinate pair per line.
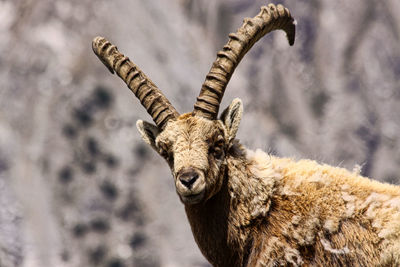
x,y
77,185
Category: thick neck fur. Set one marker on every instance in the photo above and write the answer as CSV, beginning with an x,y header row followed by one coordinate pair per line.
x,y
278,212
210,223
221,226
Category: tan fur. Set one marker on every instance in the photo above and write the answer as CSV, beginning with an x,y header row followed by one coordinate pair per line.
x,y
312,222
247,208
260,210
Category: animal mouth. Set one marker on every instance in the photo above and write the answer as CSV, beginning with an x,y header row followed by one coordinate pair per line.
x,y
193,198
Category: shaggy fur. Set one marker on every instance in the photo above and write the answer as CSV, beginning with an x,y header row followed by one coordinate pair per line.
x,y
247,208
260,210
318,215
274,212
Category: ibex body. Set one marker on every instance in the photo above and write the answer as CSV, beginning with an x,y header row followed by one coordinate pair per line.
x,y
248,208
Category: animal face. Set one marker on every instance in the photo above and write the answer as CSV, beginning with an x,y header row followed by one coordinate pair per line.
x,y
196,150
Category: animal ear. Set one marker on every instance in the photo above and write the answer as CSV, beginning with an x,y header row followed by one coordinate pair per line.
x,y
148,131
231,117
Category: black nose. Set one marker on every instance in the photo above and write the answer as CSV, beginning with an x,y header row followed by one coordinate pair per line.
x,y
187,178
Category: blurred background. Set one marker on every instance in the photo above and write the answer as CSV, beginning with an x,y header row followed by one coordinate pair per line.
x,y
78,187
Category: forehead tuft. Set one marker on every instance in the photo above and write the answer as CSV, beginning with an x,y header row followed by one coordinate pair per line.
x,y
193,126
185,116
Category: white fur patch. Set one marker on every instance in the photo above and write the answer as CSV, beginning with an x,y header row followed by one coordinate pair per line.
x,y
327,246
331,225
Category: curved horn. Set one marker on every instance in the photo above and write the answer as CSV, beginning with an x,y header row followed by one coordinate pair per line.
x,y
156,104
270,18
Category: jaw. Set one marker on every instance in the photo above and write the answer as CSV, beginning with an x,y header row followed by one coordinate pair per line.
x,y
192,199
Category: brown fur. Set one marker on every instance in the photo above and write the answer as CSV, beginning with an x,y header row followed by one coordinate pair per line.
x,y
260,210
247,208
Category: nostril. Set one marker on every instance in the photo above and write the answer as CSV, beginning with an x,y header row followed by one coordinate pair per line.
x,y
188,178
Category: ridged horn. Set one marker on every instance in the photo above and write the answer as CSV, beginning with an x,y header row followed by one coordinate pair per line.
x,y
156,104
270,18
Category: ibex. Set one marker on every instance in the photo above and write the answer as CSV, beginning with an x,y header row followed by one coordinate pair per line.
x,y
248,208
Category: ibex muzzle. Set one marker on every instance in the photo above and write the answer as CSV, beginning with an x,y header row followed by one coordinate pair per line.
x,y
190,185
187,177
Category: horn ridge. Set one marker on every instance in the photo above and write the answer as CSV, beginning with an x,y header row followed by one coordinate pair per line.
x,y
269,18
156,104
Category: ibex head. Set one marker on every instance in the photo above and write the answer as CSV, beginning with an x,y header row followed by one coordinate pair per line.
x,y
195,149
196,145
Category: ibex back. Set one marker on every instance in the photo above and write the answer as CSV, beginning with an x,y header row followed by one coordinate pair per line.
x,y
248,208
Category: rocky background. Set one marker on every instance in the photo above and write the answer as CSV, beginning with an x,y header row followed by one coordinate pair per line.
x,y
77,185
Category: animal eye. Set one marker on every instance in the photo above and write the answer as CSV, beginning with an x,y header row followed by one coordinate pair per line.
x,y
169,156
218,152
164,151
219,143
218,148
